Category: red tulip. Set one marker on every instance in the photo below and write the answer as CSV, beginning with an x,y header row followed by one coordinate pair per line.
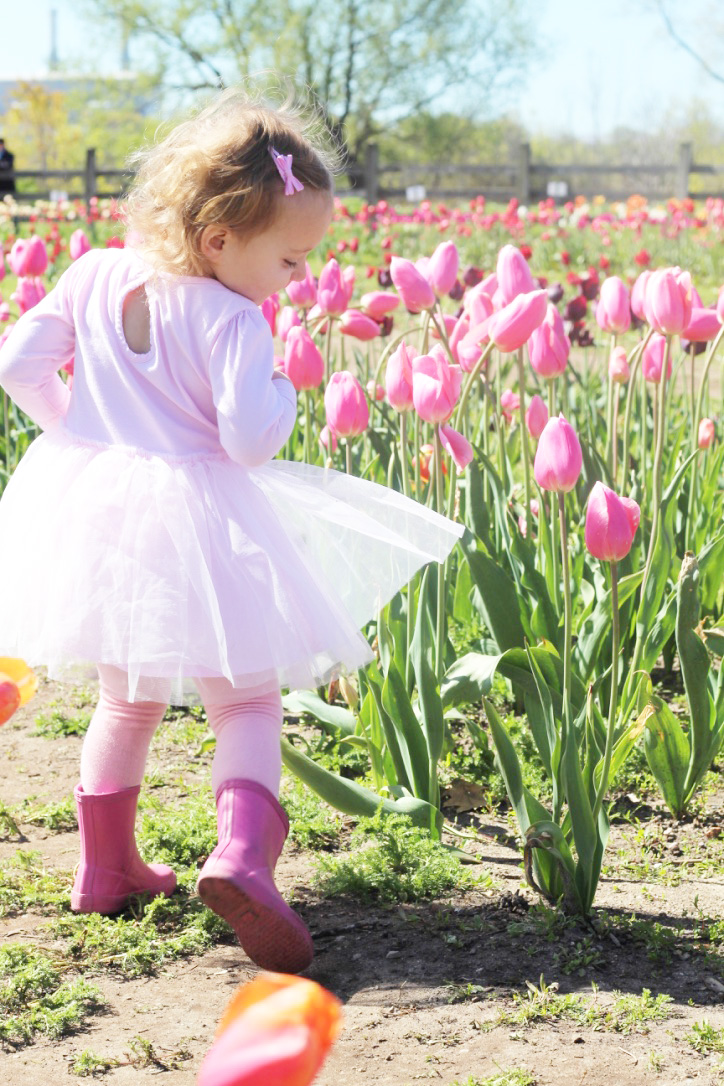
x,y
558,459
303,363
276,1031
346,406
412,286
611,524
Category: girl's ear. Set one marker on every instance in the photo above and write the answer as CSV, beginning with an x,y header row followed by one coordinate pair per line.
x,y
213,239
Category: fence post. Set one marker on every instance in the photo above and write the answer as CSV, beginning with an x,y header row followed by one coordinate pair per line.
x,y
522,186
90,174
683,169
372,172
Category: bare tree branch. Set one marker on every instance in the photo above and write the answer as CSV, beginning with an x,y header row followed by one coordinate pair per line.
x,y
685,45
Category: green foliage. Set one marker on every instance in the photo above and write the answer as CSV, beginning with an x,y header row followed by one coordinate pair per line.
x,y
58,816
87,1063
312,824
58,723
705,1038
34,997
514,1077
392,860
25,883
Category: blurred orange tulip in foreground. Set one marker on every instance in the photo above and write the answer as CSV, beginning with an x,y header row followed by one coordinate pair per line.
x,y
276,1031
17,686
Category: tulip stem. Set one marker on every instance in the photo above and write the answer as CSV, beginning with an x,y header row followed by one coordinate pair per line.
x,y
553,581
469,384
307,426
614,434
440,623
610,436
524,438
417,452
690,536
613,700
442,332
630,393
567,610
348,455
328,352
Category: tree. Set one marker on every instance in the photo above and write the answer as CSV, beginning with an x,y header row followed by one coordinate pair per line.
x,y
685,43
367,63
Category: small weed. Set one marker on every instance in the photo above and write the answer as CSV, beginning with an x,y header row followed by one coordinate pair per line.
x,y
543,1003
632,1013
655,1063
579,957
181,835
392,860
60,816
87,1063
464,993
8,825
34,998
705,1038
58,723
513,1077
24,882
144,1054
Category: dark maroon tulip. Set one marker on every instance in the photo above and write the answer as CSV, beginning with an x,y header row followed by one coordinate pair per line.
x,y
472,276
386,325
590,285
687,346
384,278
555,293
457,291
576,309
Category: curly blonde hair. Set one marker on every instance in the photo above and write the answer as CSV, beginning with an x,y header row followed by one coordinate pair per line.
x,y
216,168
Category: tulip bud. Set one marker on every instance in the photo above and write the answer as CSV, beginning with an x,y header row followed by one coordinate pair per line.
x,y
356,324
303,362
558,459
378,303
288,318
611,523
457,446
514,275
549,346
331,290
536,417
398,378
618,368
668,301
413,288
512,326
652,359
707,433
303,294
270,308
613,311
435,387
328,439
346,406
78,244
703,327
442,270
509,404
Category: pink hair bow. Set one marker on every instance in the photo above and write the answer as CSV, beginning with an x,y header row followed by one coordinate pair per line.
x,y
284,164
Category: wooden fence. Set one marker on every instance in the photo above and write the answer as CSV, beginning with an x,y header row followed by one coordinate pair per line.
x,y
522,177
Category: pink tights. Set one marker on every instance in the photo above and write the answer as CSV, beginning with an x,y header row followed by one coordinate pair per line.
x,y
247,726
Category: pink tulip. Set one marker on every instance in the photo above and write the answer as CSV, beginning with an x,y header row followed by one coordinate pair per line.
x,y
435,387
549,346
489,285
460,330
536,417
398,378
348,277
618,368
479,305
652,359
303,363
558,459
4,312
270,308
514,275
28,293
303,294
331,291
613,310
413,288
356,324
378,303
522,524
707,433
346,406
5,335
512,326
78,244
457,446
509,404
375,391
36,257
611,524
668,301
328,439
2,264
17,257
442,271
720,306
703,326
288,318
638,295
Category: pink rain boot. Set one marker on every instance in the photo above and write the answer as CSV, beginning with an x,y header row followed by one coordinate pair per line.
x,y
237,880
110,870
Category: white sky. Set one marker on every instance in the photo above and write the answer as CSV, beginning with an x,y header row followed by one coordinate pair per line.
x,y
600,63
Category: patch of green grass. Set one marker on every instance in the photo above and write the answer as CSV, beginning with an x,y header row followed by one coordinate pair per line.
x,y
579,957
464,993
25,883
59,816
632,1013
705,1038
392,860
145,1054
185,727
511,1077
629,1013
87,1063
58,723
542,1003
34,997
8,824
312,823
180,834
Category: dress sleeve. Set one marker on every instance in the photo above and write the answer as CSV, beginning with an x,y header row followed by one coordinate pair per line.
x,y
41,342
256,413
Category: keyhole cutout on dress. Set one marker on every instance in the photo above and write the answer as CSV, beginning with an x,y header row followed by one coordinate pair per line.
x,y
137,321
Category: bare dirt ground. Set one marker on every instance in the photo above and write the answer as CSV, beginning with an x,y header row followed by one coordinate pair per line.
x,y
423,985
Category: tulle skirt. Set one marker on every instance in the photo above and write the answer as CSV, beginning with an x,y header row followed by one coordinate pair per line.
x,y
169,569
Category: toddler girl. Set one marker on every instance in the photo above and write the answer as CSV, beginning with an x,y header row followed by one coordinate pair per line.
x,y
148,533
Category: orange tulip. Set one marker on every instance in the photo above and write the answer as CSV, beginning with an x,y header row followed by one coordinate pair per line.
x,y
24,678
276,1031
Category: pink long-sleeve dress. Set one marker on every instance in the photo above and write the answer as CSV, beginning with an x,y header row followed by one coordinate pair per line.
x,y
149,527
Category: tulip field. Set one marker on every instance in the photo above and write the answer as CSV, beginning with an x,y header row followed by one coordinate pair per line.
x,y
515,875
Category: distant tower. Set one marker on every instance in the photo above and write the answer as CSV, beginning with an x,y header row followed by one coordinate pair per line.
x,y
53,59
